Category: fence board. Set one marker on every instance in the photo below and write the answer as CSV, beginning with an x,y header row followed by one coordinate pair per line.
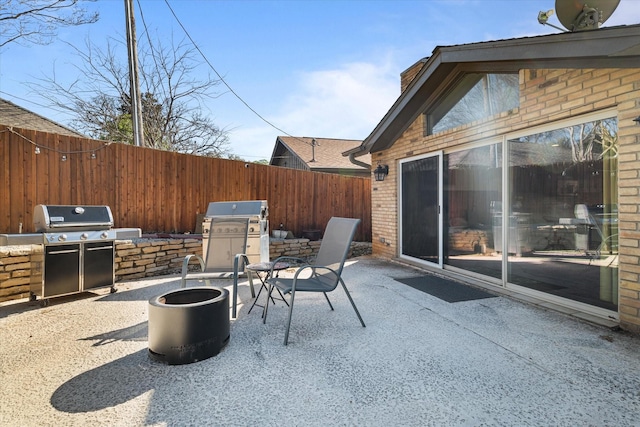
x,y
5,173
160,191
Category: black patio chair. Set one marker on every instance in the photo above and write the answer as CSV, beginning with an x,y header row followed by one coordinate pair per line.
x,y
325,273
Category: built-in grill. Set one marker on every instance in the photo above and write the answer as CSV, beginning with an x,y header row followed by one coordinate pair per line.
x,y
256,211
79,252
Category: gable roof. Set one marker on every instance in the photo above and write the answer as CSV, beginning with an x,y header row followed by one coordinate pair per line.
x,y
15,116
611,47
324,154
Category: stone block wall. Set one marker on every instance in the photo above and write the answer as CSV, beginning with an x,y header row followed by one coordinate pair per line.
x,y
152,257
16,264
470,240
135,259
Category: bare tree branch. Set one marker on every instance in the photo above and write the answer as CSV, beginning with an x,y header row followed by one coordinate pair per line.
x,y
37,21
172,98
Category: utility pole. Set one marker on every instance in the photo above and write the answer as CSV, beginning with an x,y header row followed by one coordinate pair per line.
x,y
134,82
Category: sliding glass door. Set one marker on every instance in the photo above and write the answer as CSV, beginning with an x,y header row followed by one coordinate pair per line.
x,y
420,208
473,210
537,210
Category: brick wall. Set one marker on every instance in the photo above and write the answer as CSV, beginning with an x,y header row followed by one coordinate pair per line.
x,y
138,259
407,76
547,96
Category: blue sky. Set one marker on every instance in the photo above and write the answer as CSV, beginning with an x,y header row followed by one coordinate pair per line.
x,y
326,69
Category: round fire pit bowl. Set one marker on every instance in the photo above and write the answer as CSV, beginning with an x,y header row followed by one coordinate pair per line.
x,y
188,324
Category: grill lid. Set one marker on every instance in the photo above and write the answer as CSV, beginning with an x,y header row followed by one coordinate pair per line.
x,y
244,208
63,217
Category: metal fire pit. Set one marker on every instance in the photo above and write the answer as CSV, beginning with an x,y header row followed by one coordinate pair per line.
x,y
188,324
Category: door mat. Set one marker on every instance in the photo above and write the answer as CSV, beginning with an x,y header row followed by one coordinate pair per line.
x,y
445,289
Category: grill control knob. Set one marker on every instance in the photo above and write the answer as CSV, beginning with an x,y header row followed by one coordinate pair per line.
x,y
62,237
104,235
84,236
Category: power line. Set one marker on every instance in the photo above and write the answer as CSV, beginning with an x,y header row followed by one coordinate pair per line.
x,y
60,110
224,81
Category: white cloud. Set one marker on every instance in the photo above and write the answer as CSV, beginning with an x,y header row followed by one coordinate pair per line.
x,y
345,102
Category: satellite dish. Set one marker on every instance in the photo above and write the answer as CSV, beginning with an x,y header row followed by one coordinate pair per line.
x,y
579,15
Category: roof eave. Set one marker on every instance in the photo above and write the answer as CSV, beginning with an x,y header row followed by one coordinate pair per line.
x,y
617,47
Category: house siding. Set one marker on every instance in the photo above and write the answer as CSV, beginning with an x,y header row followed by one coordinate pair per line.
x,y
546,96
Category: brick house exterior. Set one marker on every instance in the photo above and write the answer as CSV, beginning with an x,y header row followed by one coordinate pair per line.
x,y
561,78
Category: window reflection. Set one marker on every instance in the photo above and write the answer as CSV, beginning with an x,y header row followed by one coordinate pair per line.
x,y
475,97
473,191
561,234
563,192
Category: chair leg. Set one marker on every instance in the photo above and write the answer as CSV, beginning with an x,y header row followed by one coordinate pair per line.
x,y
327,298
236,270
286,334
266,307
234,297
352,303
250,277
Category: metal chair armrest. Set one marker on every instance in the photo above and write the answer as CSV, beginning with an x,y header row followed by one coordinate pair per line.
x,y
185,268
313,273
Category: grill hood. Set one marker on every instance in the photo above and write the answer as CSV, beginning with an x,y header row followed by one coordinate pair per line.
x,y
48,218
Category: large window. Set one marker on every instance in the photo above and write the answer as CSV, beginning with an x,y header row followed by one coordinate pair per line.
x,y
558,233
552,227
563,214
474,97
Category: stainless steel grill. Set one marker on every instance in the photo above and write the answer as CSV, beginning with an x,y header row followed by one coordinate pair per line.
x,y
79,249
256,211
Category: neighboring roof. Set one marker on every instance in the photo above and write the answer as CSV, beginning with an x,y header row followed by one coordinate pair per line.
x,y
16,116
325,153
612,47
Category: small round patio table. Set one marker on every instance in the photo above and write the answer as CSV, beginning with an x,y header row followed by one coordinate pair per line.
x,y
263,271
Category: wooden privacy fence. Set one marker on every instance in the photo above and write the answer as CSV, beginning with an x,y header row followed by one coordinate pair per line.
x,y
162,191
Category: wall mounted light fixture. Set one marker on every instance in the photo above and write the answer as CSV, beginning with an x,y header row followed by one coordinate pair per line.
x,y
637,120
380,172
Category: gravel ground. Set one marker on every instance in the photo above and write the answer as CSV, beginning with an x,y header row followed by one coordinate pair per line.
x,y
420,361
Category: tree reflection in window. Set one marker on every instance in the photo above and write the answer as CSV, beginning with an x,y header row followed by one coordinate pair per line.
x,y
474,97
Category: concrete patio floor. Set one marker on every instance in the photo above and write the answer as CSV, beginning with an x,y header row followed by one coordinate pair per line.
x,y
420,361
